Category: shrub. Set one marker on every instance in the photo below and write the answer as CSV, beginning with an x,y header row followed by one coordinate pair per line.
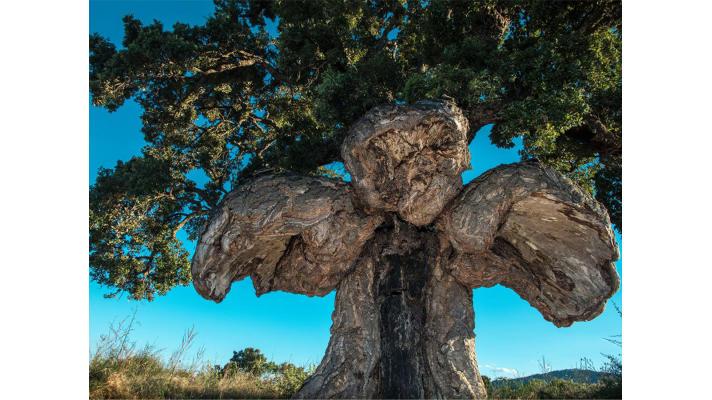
x,y
291,377
488,383
250,361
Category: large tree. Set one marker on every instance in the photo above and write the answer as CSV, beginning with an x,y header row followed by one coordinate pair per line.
x,y
230,100
404,244
395,90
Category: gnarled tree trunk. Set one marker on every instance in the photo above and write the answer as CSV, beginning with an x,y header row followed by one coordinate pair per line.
x,y
404,244
403,328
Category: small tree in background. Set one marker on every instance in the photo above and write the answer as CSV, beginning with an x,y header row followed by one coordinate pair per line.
x,y
249,360
286,377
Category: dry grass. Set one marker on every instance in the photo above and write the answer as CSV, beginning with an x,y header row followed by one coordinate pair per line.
x,y
124,384
118,369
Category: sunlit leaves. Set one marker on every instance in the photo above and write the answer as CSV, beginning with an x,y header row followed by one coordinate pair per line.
x,y
136,210
226,100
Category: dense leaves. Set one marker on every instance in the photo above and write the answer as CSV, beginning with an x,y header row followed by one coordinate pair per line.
x,y
228,99
248,360
289,377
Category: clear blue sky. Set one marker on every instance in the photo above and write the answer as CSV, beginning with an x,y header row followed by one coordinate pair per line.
x,y
510,334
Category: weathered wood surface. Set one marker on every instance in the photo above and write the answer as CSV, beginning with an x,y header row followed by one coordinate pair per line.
x,y
403,327
404,244
531,229
292,233
408,159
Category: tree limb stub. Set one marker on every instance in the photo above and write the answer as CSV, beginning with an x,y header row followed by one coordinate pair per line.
x,y
408,159
292,233
529,228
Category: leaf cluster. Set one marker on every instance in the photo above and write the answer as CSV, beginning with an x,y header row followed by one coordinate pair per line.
x,y
287,377
228,100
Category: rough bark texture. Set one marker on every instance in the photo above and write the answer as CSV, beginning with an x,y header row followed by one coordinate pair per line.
x,y
403,328
291,233
531,229
408,159
403,320
450,347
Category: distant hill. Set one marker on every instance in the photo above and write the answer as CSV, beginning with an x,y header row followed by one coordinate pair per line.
x,y
576,375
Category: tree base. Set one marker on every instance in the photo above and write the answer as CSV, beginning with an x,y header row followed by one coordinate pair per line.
x,y
402,327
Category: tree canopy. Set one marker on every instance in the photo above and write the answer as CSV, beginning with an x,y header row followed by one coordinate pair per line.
x,y
228,100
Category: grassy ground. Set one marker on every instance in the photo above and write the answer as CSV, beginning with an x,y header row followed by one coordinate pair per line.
x,y
118,369
143,378
557,389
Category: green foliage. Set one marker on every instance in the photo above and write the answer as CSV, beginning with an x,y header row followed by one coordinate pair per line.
x,y
136,210
554,389
250,361
286,377
227,100
488,383
290,378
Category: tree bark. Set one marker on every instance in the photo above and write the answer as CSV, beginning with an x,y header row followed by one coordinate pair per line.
x,y
403,320
402,326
